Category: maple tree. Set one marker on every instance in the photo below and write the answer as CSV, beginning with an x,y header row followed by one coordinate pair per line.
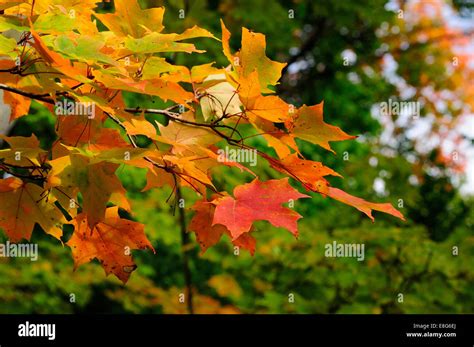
x,y
60,58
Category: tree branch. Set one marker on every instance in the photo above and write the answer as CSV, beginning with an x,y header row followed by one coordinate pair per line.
x,y
39,97
185,249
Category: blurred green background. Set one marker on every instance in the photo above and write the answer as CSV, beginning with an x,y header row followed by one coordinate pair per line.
x,y
285,275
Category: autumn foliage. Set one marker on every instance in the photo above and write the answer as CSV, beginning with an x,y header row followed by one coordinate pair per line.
x,y
60,57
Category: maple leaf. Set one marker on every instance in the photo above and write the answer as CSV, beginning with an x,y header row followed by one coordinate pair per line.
x,y
270,107
311,175
19,105
189,167
110,241
55,59
258,201
83,48
24,151
158,43
225,42
186,171
182,136
208,234
276,138
7,47
130,19
362,205
308,124
124,156
166,90
308,172
252,57
157,178
5,5
139,126
80,130
199,73
24,205
220,98
97,183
